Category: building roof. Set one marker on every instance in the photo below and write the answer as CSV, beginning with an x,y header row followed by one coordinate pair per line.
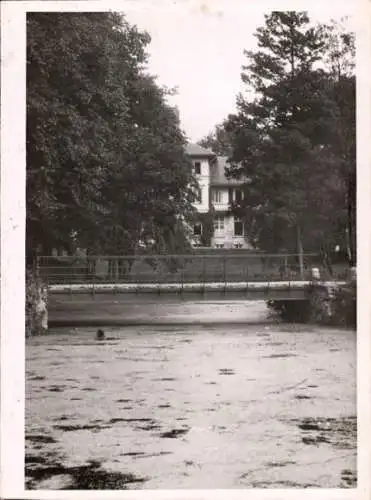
x,y
217,167
217,174
196,150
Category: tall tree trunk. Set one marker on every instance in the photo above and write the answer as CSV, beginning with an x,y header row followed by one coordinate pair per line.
x,y
351,222
353,236
300,250
348,244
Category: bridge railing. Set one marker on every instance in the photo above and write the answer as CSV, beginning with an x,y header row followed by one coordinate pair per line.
x,y
187,268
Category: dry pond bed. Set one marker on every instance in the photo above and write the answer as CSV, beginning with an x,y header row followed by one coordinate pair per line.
x,y
263,406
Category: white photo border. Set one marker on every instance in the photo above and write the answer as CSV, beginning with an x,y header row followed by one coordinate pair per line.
x,y
13,209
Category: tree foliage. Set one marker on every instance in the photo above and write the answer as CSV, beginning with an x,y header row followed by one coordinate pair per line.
x,y
340,58
294,139
219,140
106,166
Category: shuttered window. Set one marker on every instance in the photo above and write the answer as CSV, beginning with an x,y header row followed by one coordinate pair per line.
x,y
219,223
216,196
238,227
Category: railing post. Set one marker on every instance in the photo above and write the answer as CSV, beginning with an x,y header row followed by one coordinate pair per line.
x,y
225,269
203,270
93,285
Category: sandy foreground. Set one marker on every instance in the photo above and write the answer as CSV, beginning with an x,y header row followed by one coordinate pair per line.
x,y
192,406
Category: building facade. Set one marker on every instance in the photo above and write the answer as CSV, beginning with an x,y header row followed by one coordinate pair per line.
x,y
216,194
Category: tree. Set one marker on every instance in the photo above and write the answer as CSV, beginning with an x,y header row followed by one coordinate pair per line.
x,y
105,155
69,108
207,223
218,140
281,137
340,59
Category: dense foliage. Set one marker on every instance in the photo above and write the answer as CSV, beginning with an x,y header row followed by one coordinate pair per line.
x,y
337,310
293,137
106,167
36,304
345,306
207,222
219,140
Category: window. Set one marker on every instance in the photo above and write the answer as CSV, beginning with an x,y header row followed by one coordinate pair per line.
x,y
197,229
219,224
219,245
238,227
197,167
237,245
238,195
216,196
198,194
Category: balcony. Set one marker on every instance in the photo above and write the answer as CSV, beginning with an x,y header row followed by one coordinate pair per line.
x,y
222,206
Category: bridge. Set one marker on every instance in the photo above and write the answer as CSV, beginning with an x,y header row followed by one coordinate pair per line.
x,y
90,282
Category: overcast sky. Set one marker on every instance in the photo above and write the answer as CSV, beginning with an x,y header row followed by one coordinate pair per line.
x,y
199,50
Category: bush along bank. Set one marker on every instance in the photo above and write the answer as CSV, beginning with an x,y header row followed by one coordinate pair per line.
x,y
326,307
344,305
36,304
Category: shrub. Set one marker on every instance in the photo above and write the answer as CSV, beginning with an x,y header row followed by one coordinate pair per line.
x,y
35,304
291,310
345,305
339,309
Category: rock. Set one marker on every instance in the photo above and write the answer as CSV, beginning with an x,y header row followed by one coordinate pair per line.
x,y
100,334
353,274
315,273
57,482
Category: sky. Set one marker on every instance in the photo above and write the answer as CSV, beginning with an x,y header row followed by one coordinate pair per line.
x,y
199,50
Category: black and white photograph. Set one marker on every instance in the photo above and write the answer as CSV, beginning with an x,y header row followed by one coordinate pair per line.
x,y
190,259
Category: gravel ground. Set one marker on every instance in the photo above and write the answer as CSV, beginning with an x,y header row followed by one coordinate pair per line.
x,y
192,406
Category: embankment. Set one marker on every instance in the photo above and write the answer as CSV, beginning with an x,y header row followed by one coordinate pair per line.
x,y
337,307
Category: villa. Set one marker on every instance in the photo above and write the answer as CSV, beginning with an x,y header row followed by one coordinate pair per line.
x,y
216,192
